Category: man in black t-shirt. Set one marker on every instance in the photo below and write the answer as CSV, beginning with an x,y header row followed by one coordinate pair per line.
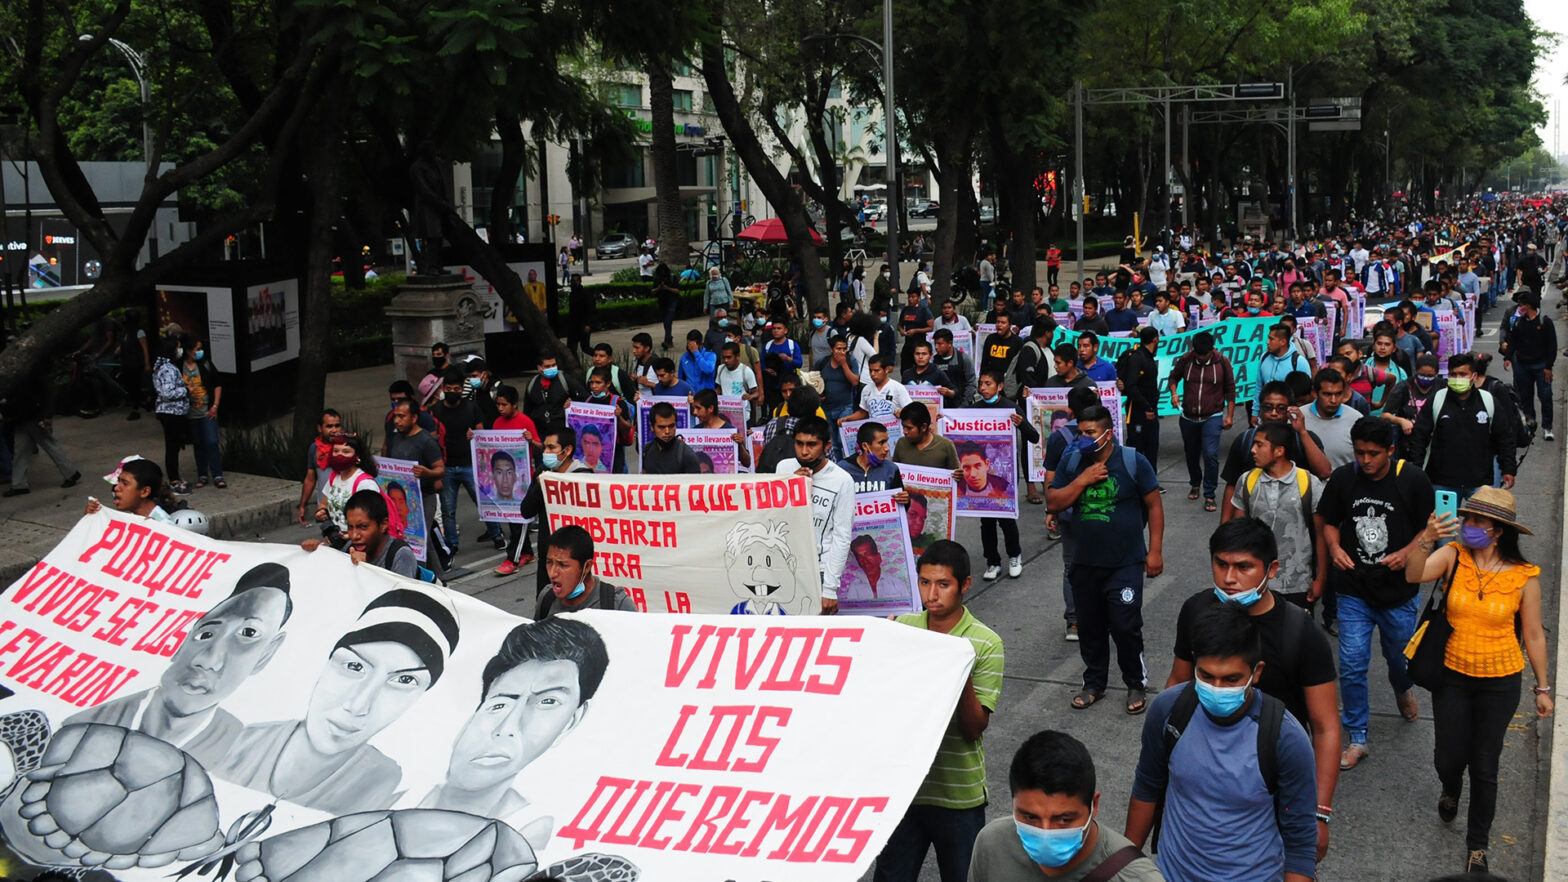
x,y
1371,512
1305,449
1298,665
914,323
461,418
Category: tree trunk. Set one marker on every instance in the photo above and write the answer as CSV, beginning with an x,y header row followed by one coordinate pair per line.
x,y
514,159
784,198
324,170
666,176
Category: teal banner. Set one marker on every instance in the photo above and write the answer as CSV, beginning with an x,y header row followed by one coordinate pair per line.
x,y
1243,341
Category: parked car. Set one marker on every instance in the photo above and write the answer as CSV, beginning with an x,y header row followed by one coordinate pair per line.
x,y
923,208
987,214
615,245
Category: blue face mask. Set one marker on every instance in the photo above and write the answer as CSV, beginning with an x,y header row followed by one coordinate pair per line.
x,y
475,382
872,459
1052,848
724,323
550,372
1245,598
992,399
1254,310
552,460
198,354
1221,701
577,592
817,323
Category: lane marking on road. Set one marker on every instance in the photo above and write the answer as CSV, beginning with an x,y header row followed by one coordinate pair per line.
x,y
1557,796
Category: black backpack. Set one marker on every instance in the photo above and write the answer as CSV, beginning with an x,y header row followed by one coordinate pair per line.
x,y
604,600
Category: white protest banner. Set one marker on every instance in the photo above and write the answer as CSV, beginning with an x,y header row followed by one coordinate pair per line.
x,y
930,396
396,479
930,513
742,544
503,469
645,422
1316,336
717,452
1358,313
595,427
364,726
1241,340
1448,339
879,577
849,432
987,446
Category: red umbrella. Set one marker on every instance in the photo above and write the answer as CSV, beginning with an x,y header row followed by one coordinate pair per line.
x,y
772,231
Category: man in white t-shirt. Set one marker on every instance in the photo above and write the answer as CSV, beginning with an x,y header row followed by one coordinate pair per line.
x,y
832,503
645,264
951,320
883,398
1159,266
1359,257
734,378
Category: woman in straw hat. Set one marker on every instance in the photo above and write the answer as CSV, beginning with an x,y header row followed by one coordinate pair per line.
x,y
1491,584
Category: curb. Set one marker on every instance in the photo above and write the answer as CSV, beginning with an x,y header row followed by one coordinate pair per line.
x,y
1556,854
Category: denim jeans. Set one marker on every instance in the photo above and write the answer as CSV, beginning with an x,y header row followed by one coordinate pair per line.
x,y
1202,437
1395,626
204,444
1069,546
834,414
1530,381
952,831
455,477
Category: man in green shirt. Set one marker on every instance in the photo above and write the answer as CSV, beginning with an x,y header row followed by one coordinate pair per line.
x,y
949,808
921,445
1054,830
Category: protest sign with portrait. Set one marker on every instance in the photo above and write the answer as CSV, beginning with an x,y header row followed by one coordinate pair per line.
x,y
396,479
645,422
503,469
595,427
717,452
987,446
879,576
930,511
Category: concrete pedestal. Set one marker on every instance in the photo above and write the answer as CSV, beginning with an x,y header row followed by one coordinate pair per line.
x,y
431,309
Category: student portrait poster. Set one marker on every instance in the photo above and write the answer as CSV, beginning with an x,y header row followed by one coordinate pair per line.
x,y
930,396
740,544
595,427
366,726
503,469
963,341
929,515
987,445
879,576
396,479
645,422
717,452
850,432
735,407
758,442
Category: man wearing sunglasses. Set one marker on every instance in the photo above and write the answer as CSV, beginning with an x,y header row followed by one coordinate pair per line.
x,y
1305,449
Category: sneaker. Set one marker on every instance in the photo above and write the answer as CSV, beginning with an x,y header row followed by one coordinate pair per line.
x,y
1448,808
1476,863
524,560
1408,708
992,572
72,481
1072,634
1053,535
1015,567
499,541
506,568
1548,435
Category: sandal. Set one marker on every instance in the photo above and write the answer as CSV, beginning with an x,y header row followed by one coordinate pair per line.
x,y
180,487
220,483
1193,493
200,483
1137,701
1086,698
1208,504
1034,499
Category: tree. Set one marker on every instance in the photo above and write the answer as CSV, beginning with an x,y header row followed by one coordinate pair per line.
x,y
52,57
666,177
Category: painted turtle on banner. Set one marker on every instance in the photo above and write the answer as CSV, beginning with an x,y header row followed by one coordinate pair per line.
x,y
104,796
409,845
414,845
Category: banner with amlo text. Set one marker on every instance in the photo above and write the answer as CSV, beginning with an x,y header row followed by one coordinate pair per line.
x,y
741,544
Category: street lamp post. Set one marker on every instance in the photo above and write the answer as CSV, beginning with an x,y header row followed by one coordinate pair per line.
x,y
890,127
139,70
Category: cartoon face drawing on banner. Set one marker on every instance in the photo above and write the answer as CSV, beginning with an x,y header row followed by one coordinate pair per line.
x,y
233,641
978,478
373,676
761,569
536,689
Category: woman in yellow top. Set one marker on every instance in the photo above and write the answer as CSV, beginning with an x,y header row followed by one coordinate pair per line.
x,y
1492,582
